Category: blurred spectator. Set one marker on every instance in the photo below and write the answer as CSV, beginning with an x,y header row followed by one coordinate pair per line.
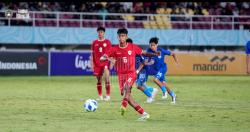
x,y
226,8
127,6
174,8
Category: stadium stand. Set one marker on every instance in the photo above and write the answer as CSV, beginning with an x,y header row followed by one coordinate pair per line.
x,y
167,15
142,15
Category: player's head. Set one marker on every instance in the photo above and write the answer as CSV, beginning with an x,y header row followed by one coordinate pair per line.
x,y
122,35
101,32
129,40
153,42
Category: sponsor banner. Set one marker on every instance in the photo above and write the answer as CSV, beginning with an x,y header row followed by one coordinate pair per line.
x,y
23,63
208,64
70,63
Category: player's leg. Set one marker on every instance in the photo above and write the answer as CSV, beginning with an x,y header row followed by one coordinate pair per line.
x,y
158,79
162,86
99,87
127,91
129,100
170,92
98,73
152,91
107,83
141,85
145,90
138,108
122,80
130,79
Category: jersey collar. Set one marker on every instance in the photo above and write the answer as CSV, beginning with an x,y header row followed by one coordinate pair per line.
x,y
123,47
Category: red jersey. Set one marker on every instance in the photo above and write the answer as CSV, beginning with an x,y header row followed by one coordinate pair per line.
x,y
125,57
98,49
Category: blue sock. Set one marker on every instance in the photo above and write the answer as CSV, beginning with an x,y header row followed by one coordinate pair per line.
x,y
172,94
147,92
150,89
163,89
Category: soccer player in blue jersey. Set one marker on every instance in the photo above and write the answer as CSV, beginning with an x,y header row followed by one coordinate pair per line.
x,y
142,76
248,56
161,67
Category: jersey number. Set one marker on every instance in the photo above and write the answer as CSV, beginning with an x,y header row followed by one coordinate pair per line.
x,y
129,79
125,60
159,74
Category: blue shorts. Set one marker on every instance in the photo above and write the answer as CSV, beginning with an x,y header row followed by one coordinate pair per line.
x,y
160,75
141,79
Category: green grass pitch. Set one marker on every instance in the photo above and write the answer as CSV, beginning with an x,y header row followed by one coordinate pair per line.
x,y
53,104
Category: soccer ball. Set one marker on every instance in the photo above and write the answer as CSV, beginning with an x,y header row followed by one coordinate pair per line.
x,y
90,105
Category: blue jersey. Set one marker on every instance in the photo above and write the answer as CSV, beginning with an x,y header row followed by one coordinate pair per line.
x,y
142,75
248,47
159,61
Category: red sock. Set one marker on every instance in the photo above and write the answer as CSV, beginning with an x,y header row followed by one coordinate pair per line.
x,y
125,102
107,85
99,88
139,109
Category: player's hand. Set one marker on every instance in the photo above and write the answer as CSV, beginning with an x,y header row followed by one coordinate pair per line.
x,y
177,65
137,71
103,58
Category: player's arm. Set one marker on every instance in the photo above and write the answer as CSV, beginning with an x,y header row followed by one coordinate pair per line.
x,y
107,55
91,57
167,52
144,53
112,62
139,68
175,58
91,60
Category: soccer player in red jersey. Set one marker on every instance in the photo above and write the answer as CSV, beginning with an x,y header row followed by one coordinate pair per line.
x,y
124,55
99,47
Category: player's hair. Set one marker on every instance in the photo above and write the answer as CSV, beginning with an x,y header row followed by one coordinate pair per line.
x,y
154,40
129,40
122,31
100,29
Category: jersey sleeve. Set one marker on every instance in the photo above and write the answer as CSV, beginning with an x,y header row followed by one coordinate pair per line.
x,y
109,44
137,50
111,52
166,52
148,50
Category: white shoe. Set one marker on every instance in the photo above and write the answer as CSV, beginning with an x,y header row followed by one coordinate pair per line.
x,y
100,98
154,92
150,100
174,99
107,98
144,117
165,95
